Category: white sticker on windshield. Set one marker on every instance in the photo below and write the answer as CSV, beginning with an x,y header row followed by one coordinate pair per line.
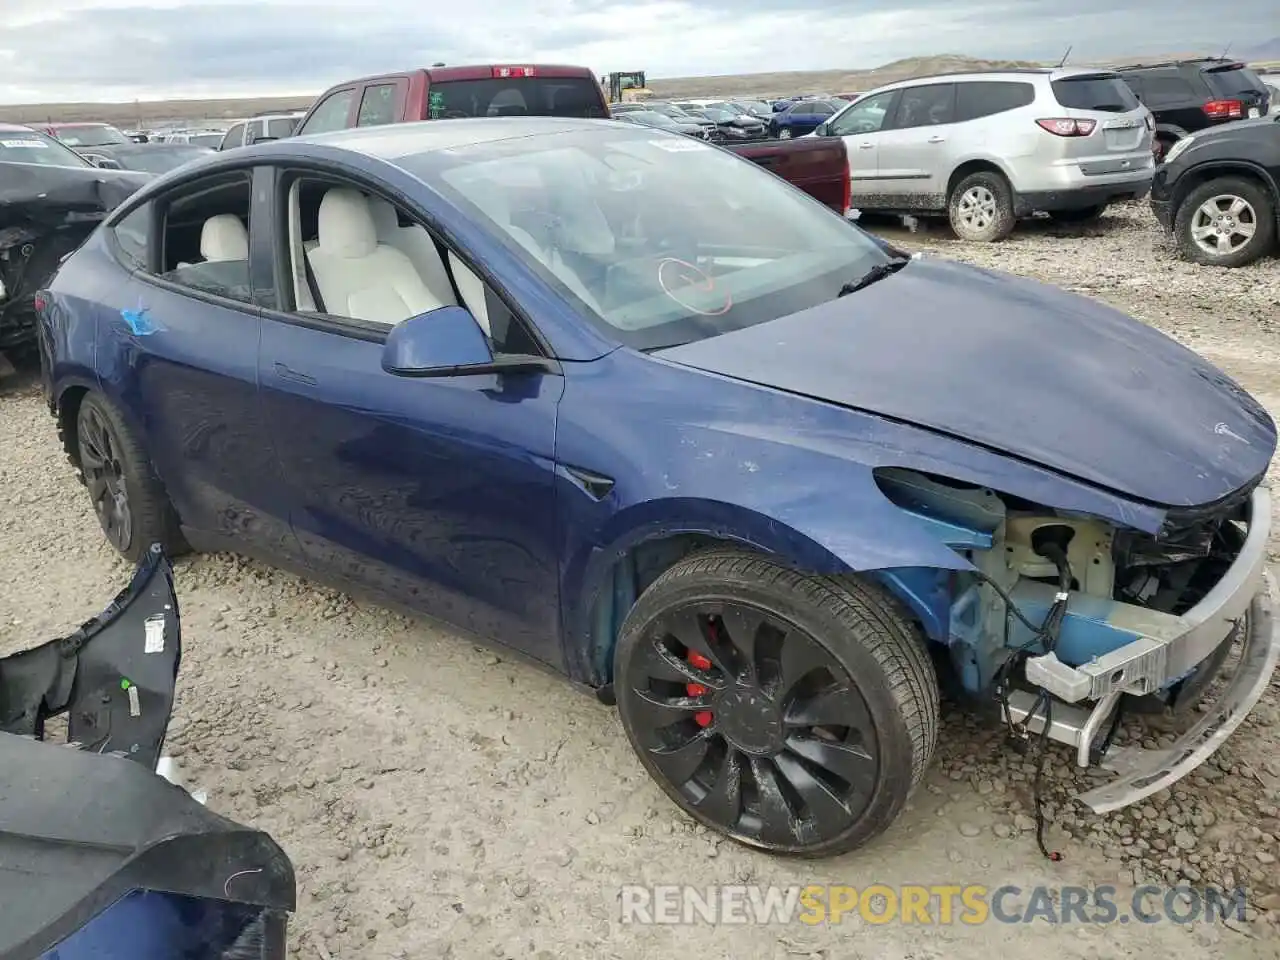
x,y
679,145
154,629
37,144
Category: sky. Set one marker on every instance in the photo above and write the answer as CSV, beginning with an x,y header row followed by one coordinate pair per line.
x,y
121,50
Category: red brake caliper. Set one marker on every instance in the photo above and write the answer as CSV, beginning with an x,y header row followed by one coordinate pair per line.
x,y
696,660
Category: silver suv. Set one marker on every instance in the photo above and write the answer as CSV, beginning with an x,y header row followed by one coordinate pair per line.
x,y
988,148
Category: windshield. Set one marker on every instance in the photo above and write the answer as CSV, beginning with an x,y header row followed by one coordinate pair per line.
x,y
653,119
30,146
657,238
159,159
514,97
1234,80
89,135
719,116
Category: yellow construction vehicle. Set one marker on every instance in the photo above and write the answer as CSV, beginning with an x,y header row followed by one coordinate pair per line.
x,y
627,87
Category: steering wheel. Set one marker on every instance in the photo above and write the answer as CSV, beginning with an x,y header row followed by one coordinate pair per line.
x,y
693,288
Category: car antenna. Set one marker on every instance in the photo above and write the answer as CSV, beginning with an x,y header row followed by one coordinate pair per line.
x,y
1223,54
1063,62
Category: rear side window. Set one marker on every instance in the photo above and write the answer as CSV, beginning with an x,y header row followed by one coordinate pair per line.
x,y
1157,90
377,106
985,98
1105,93
281,127
1233,81
925,106
331,114
514,97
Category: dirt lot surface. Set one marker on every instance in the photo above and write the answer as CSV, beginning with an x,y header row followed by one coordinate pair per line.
x,y
440,801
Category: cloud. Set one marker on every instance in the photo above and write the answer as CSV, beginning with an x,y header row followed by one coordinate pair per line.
x,y
59,50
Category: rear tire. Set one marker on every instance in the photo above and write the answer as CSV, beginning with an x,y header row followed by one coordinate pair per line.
x,y
784,133
1225,210
790,712
981,208
128,498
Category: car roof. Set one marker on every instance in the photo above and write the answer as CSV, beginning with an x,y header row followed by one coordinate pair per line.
x,y
77,123
16,128
397,140
474,71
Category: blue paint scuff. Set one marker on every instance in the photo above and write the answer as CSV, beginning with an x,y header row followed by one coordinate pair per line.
x,y
140,321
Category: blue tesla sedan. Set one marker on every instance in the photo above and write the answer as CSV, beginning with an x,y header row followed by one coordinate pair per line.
x,y
656,419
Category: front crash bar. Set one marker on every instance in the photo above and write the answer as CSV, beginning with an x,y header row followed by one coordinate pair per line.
x,y
1142,771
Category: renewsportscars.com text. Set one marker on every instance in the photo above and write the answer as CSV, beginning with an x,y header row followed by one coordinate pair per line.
x,y
929,905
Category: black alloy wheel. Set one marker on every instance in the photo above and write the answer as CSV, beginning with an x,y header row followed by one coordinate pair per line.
x,y
104,474
756,724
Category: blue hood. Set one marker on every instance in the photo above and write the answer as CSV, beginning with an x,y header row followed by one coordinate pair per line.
x,y
1020,367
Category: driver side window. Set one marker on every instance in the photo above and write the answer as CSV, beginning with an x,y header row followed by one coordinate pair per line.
x,y
331,114
866,116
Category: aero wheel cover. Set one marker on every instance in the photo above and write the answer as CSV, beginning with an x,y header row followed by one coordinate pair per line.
x,y
752,723
104,476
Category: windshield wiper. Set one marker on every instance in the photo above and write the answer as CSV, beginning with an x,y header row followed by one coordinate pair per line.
x,y
878,272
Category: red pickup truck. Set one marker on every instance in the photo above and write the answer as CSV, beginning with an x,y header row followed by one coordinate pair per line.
x,y
818,165
444,93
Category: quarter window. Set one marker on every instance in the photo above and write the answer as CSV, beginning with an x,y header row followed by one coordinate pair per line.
x,y
985,98
331,114
133,235
234,137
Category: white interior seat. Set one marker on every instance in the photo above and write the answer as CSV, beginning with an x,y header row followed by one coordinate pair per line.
x,y
359,277
224,237
416,244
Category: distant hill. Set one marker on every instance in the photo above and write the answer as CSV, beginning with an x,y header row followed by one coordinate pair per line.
x,y
149,114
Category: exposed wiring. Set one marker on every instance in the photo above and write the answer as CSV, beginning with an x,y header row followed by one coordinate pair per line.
x,y
1046,636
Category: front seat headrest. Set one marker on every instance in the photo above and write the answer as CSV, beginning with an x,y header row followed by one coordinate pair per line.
x,y
346,225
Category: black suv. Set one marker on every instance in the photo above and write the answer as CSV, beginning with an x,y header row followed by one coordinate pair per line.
x,y
1190,95
1218,192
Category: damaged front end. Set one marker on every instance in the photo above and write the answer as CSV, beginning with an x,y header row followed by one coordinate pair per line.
x,y
46,212
1143,621
101,856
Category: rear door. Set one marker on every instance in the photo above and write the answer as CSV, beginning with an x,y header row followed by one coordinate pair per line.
x,y
180,357
1120,141
861,126
914,147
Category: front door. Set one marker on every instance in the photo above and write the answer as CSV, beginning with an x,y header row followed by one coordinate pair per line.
x,y
860,126
437,493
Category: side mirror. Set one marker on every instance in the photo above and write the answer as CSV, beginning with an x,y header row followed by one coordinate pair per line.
x,y
447,342
262,139
105,163
821,129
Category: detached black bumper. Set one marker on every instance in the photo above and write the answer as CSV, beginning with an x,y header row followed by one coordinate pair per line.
x,y
1079,198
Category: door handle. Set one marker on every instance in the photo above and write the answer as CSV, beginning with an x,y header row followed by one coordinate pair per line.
x,y
285,372
937,139
866,146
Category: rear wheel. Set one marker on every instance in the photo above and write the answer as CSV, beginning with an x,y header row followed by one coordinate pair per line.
x,y
131,505
790,712
784,133
1228,222
981,208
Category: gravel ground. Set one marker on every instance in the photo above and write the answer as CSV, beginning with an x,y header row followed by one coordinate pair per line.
x,y
440,801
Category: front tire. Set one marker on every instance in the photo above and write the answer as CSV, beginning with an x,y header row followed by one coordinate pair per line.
x,y
1228,222
790,712
784,133
131,505
981,208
